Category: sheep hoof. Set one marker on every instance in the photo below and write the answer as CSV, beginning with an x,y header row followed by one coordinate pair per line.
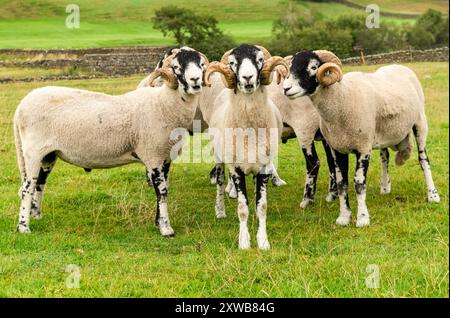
x,y
167,231
305,203
362,221
343,220
331,196
263,243
220,213
232,194
278,182
36,214
385,190
433,196
23,229
244,240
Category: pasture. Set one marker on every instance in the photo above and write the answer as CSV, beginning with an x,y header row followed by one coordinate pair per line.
x,y
102,222
41,24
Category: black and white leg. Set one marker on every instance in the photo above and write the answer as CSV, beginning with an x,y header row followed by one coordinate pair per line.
x,y
341,163
36,203
238,178
213,176
362,166
312,167
230,189
220,194
332,185
420,134
262,178
385,182
28,193
158,177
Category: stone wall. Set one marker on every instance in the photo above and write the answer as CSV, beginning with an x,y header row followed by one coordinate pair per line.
x,y
432,55
111,61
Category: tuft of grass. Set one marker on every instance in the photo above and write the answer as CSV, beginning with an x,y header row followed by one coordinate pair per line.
x,y
102,222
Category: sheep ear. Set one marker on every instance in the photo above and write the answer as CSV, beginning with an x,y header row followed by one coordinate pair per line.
x,y
329,73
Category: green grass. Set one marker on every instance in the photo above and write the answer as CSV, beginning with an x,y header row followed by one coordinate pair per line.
x,y
103,223
41,24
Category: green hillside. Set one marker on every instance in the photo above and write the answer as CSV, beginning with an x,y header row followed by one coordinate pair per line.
x,y
41,24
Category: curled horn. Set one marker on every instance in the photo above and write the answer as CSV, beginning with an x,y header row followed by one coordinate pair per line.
x,y
278,70
331,71
228,77
222,67
269,65
266,53
166,74
165,71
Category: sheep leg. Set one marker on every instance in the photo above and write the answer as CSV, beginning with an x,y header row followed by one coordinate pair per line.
x,y
341,163
238,178
332,186
230,189
158,177
220,194
28,193
213,176
276,180
420,134
385,179
312,167
36,203
261,210
362,165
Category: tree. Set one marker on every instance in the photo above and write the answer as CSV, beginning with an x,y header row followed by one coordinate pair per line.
x,y
199,32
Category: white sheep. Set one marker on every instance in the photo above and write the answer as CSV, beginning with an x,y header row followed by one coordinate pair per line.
x,y
94,131
360,112
244,107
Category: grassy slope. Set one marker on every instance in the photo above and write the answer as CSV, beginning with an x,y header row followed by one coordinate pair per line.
x,y
41,24
102,222
407,6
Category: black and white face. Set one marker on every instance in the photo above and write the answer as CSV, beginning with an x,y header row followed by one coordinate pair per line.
x,y
302,79
246,61
189,67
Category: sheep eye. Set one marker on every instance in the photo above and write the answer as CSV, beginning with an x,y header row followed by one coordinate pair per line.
x,y
314,68
261,60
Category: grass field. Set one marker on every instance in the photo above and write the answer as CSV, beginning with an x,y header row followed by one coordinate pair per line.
x,y
103,223
41,24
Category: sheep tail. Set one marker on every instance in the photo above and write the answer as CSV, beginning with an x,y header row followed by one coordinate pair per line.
x,y
19,151
404,151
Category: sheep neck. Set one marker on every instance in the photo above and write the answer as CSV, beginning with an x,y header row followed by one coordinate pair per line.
x,y
330,103
179,108
249,109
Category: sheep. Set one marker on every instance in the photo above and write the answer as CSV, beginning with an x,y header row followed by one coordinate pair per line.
x,y
245,105
94,131
205,103
360,112
301,120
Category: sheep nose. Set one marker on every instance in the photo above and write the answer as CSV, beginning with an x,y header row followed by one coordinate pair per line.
x,y
287,90
195,79
248,78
